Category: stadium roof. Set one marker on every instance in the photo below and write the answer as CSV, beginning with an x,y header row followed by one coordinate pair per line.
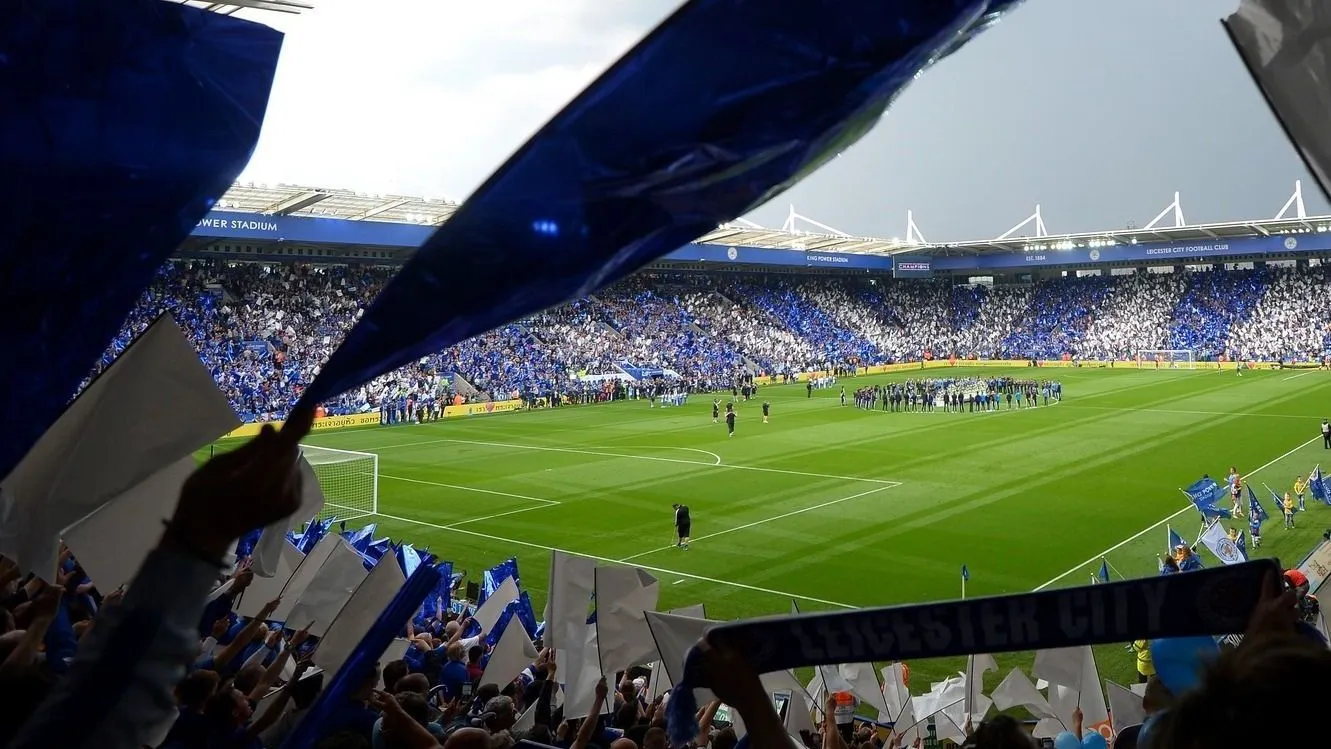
x,y
293,200
1195,233
227,8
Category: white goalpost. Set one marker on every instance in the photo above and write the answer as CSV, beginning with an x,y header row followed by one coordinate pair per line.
x,y
349,480
1166,359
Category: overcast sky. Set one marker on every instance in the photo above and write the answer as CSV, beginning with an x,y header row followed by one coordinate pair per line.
x,y
1096,110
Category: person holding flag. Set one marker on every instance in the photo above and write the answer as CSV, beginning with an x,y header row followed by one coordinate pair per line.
x,y
1256,516
965,577
1288,506
1103,575
1300,488
1316,485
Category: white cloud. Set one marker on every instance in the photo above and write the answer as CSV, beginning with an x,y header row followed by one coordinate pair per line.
x,y
422,97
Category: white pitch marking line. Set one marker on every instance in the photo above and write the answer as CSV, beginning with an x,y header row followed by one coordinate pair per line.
x,y
607,560
1144,531
677,582
764,520
716,459
1297,376
543,448
469,489
544,503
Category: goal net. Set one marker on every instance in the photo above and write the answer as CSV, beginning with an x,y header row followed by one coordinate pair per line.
x,y
349,480
1166,359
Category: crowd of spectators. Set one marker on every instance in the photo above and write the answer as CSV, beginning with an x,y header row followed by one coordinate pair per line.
x,y
264,329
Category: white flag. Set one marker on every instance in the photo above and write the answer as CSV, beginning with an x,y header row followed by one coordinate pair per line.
x,y
360,613
1095,715
1060,666
572,582
268,551
1220,544
488,613
264,589
895,694
1286,45
112,542
330,589
583,671
864,684
623,596
976,667
1124,706
1016,690
511,654
155,405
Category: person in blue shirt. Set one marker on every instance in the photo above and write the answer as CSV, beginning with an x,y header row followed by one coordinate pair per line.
x,y
453,676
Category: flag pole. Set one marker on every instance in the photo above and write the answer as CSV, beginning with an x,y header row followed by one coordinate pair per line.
x,y
963,587
1112,569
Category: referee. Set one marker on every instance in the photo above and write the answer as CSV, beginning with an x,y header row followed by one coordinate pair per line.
x,y
682,526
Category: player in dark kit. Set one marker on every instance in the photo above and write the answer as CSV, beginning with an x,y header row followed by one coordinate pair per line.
x,y
730,419
716,410
767,410
682,526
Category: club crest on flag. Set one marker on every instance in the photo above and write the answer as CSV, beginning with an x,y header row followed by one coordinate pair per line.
x,y
1228,551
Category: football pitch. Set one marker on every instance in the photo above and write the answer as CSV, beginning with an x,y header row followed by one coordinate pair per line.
x,y
836,507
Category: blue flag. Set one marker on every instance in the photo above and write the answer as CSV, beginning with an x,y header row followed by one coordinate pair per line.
x,y
1242,543
1204,493
965,574
1280,501
1255,507
1103,574
706,127
123,125
1317,487
1175,541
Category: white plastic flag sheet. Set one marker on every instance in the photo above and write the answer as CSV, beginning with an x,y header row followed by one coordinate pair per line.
x,y
489,612
697,611
323,599
1016,690
1124,706
864,684
525,722
359,613
895,693
1286,45
572,581
268,551
1061,666
155,405
1138,689
976,704
583,671
659,682
261,590
1092,697
510,656
300,579
624,595
112,542
673,636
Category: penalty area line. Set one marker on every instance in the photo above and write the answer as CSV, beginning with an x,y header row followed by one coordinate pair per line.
x,y
1148,529
607,560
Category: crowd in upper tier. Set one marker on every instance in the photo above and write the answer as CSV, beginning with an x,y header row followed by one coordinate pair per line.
x,y
264,329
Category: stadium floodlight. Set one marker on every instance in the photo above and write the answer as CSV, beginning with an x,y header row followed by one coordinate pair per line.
x,y
349,480
1166,359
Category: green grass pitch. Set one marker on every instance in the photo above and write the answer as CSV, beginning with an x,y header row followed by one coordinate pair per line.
x,y
838,507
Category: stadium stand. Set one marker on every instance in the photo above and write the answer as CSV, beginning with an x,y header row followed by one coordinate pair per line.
x,y
262,328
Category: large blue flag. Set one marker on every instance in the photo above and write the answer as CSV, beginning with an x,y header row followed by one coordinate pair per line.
x,y
1103,573
1280,501
1255,507
1315,483
124,121
1204,493
690,129
1242,543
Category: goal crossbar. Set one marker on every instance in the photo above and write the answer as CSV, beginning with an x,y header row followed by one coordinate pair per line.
x,y
1166,359
349,480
